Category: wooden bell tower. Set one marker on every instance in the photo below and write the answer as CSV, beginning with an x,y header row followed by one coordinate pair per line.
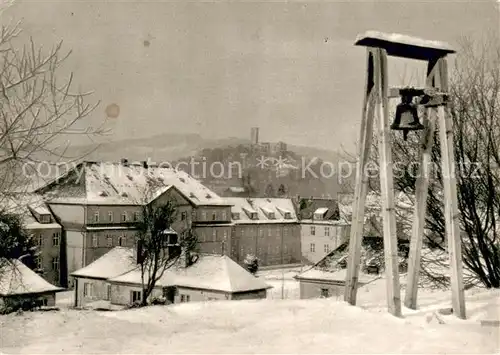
x,y
377,94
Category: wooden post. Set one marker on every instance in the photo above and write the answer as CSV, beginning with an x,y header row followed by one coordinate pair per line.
x,y
387,187
451,211
361,187
421,193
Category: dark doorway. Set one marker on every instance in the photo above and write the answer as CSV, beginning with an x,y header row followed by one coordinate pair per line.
x,y
169,294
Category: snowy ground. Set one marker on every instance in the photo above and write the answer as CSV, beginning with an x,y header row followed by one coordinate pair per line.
x,y
263,326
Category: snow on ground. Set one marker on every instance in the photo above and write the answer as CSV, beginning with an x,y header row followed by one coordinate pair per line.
x,y
260,326
283,283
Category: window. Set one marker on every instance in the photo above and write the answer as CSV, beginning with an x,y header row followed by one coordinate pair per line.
x,y
313,230
285,232
124,217
312,247
55,239
55,263
39,262
214,235
88,289
224,215
225,234
203,216
95,243
40,240
326,248
110,216
136,216
121,241
109,241
185,298
45,218
108,293
214,216
269,232
261,232
327,231
183,215
135,296
96,216
325,293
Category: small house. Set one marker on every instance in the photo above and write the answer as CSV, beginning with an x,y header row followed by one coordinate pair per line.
x,y
116,279
18,282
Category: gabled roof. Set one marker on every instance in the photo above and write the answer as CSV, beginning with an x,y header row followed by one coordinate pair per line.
x,y
211,272
18,279
262,206
117,261
125,184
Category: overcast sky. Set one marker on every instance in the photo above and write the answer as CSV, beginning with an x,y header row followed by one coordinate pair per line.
x,y
219,68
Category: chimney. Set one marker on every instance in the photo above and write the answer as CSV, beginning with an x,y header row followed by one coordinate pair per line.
x,y
124,162
144,164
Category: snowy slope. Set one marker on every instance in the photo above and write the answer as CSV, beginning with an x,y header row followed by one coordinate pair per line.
x,y
263,326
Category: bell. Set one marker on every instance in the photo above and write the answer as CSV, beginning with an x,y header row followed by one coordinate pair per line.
x,y
406,117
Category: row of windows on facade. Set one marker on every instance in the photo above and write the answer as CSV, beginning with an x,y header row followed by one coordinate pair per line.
x,y
312,248
56,238
135,296
327,230
260,251
110,241
136,216
217,237
269,232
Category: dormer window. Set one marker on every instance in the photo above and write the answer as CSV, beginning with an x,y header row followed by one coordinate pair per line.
x,y
214,216
45,218
124,217
254,216
103,194
235,215
320,213
96,217
288,215
110,216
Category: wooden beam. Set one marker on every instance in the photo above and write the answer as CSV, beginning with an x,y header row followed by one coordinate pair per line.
x,y
387,187
452,215
399,45
421,193
361,184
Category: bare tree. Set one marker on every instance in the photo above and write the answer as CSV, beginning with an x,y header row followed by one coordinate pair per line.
x,y
159,246
38,107
475,108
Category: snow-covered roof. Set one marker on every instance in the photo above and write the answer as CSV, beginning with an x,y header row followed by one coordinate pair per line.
x,y
125,184
24,204
115,262
262,207
18,279
334,276
212,272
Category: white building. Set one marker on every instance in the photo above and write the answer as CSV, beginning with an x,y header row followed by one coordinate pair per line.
x,y
322,230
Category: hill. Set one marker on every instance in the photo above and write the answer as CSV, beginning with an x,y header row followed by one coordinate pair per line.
x,y
306,171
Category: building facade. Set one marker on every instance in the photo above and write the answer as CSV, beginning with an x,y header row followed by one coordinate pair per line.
x,y
321,228
266,228
39,221
99,204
